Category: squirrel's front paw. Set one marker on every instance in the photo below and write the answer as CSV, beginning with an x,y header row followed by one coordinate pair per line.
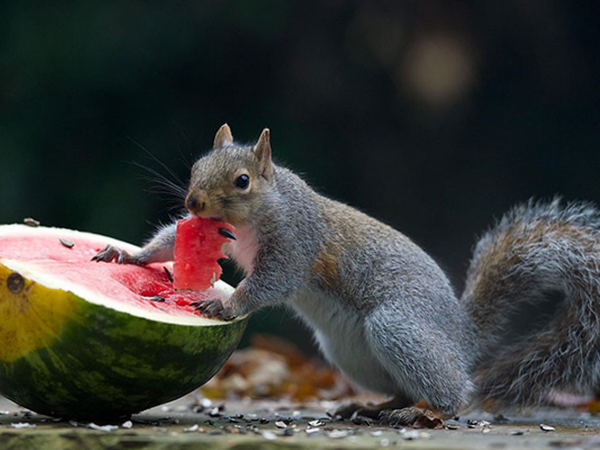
x,y
214,309
111,253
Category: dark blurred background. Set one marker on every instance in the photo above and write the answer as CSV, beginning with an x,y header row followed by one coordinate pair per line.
x,y
434,117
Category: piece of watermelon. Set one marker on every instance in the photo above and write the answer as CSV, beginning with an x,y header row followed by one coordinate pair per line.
x,y
91,340
197,247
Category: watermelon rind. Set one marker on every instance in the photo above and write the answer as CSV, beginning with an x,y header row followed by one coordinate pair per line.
x,y
72,353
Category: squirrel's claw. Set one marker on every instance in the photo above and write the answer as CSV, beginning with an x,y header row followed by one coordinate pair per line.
x,y
111,253
411,417
226,232
214,309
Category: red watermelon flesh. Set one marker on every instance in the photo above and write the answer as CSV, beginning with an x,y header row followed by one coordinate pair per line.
x,y
197,249
64,258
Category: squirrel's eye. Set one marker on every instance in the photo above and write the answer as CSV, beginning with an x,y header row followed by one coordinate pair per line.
x,y
242,182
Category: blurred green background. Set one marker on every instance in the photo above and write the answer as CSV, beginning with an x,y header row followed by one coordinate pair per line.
x,y
433,116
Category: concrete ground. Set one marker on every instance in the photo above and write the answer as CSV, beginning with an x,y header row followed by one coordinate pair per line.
x,y
193,423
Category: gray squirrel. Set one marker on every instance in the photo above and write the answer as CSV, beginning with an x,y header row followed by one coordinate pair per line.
x,y
383,311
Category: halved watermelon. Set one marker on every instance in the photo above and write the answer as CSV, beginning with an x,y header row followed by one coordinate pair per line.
x,y
91,340
197,247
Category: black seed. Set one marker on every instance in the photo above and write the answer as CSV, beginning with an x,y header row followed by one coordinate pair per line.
x,y
169,275
15,283
157,298
31,222
67,243
226,232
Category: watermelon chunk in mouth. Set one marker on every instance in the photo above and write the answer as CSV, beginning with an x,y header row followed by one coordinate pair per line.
x,y
198,245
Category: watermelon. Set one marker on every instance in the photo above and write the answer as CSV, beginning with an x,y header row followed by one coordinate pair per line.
x,y
198,244
90,340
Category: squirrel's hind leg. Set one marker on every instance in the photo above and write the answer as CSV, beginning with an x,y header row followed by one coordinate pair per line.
x,y
423,360
369,410
396,412
412,416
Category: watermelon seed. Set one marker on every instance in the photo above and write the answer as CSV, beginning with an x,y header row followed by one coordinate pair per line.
x,y
15,283
169,275
31,222
225,232
67,243
157,298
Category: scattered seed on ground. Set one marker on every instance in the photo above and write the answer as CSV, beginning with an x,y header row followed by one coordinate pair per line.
x,y
107,428
215,412
546,428
216,432
338,434
206,402
411,435
269,435
22,425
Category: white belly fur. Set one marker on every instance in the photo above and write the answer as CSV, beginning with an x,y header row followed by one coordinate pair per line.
x,y
340,335
244,248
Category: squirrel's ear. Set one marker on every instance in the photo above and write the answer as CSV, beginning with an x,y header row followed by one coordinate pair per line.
x,y
223,137
262,150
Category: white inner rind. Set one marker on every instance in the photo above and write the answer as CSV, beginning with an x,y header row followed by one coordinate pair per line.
x,y
221,290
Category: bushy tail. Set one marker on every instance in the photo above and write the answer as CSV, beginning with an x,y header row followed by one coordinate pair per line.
x,y
533,291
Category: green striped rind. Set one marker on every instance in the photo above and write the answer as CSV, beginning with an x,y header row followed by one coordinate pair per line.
x,y
108,364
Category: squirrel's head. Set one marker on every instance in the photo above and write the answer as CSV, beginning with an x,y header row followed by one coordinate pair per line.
x,y
230,181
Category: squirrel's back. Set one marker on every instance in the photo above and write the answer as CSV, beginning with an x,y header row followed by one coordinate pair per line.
x,y
533,292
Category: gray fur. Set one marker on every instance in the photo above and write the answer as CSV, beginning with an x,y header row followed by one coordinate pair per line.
x,y
549,257
389,319
383,311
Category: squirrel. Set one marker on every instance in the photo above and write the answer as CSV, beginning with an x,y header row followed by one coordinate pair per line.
x,y
382,310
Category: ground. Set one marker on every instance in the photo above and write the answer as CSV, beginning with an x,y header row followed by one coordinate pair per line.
x,y
193,422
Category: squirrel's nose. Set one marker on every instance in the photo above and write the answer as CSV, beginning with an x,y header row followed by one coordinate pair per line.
x,y
195,201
